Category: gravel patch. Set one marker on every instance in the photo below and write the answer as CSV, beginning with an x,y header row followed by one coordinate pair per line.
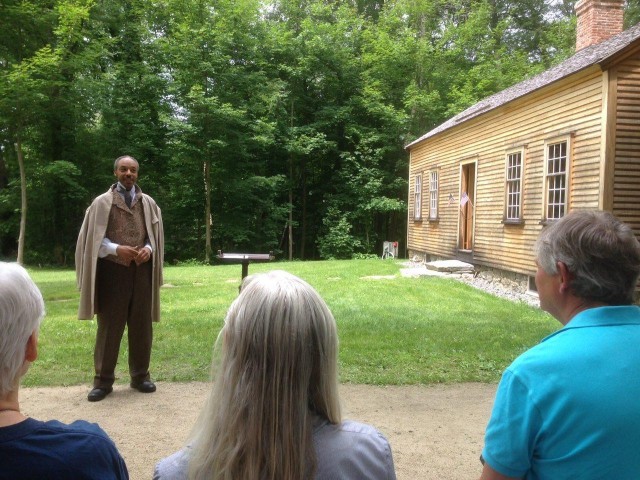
x,y
436,432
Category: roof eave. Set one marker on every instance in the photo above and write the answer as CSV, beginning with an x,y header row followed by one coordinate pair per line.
x,y
603,63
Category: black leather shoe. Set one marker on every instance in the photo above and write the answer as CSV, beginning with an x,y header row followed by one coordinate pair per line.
x,y
99,393
146,386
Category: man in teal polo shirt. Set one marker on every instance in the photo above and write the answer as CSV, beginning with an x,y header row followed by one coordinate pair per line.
x,y
570,406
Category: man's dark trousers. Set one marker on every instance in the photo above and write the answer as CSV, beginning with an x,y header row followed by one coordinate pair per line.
x,y
123,299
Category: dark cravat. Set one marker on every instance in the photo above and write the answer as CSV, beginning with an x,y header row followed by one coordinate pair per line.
x,y
127,197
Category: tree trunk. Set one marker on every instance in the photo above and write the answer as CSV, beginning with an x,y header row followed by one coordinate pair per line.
x,y
207,211
303,240
290,207
291,191
23,200
4,175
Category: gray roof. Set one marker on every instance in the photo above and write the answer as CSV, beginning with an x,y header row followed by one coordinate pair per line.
x,y
592,55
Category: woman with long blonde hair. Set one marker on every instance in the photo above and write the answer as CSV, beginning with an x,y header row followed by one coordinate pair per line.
x,y
273,412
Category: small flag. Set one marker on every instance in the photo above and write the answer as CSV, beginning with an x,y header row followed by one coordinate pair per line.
x,y
464,199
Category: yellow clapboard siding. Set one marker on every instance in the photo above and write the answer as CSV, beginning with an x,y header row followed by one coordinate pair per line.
x,y
568,110
626,180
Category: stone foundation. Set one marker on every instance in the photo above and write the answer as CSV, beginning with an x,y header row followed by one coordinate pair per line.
x,y
516,282
511,280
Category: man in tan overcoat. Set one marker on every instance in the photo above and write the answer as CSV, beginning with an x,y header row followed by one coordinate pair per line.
x,y
119,256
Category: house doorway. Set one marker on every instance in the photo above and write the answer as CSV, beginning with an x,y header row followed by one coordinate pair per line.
x,y
467,206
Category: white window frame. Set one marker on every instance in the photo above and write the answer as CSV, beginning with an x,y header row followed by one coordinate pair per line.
x,y
433,194
557,163
417,197
514,176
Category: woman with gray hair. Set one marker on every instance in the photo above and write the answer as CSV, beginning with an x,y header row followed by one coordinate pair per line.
x,y
273,412
31,449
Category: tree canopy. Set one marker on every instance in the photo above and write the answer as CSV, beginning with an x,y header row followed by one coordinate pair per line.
x,y
259,125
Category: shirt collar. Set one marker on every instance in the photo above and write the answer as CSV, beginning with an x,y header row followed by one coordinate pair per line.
x,y
134,191
603,317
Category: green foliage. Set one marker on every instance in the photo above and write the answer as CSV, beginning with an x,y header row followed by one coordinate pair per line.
x,y
631,13
392,329
337,242
55,227
248,117
254,221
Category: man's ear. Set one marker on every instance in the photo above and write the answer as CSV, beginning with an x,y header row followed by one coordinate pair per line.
x,y
31,352
565,276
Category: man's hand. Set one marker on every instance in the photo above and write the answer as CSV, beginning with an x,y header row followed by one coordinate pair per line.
x,y
128,253
139,255
144,254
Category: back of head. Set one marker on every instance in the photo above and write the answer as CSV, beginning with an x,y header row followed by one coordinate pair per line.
x,y
21,310
601,253
277,370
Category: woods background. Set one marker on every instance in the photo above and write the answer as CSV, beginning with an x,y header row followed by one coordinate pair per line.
x,y
258,125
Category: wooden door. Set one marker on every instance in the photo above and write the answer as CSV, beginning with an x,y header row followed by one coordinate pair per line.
x,y
467,205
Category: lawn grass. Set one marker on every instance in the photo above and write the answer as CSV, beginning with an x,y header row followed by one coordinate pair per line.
x,y
392,330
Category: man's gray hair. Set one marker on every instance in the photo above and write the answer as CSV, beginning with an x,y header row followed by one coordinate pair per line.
x,y
21,311
601,253
115,163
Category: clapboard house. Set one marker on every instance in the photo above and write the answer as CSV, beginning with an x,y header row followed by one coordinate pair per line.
x,y
483,184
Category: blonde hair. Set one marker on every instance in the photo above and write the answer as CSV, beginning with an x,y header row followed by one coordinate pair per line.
x,y
274,370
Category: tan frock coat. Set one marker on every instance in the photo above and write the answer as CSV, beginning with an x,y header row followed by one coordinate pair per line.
x,y
92,232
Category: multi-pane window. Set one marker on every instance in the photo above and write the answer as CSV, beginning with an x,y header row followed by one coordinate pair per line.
x,y
556,180
433,195
514,186
417,198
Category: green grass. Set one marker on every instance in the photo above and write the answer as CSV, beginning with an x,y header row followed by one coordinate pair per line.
x,y
392,331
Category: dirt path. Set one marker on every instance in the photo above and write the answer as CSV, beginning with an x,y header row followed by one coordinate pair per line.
x,y
436,432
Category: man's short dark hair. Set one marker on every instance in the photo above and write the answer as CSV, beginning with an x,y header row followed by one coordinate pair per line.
x,y
115,164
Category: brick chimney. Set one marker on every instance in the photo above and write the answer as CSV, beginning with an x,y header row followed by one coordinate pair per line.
x,y
597,21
